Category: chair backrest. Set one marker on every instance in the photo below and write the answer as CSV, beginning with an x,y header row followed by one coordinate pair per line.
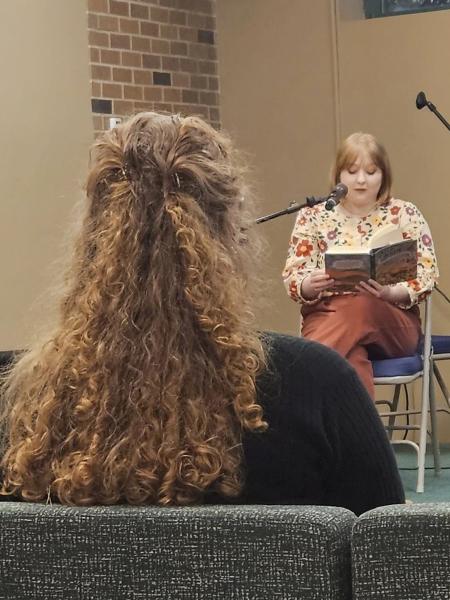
x,y
402,553
220,552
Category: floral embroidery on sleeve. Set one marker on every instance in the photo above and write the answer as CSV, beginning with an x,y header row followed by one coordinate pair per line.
x,y
415,227
302,253
304,248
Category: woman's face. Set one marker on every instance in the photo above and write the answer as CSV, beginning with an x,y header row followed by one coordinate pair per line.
x,y
363,179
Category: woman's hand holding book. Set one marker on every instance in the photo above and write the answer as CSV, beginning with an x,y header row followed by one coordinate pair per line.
x,y
395,294
315,283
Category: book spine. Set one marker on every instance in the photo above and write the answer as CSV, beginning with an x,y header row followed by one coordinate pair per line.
x,y
373,269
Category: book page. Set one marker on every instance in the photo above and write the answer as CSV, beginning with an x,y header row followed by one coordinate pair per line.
x,y
347,250
389,234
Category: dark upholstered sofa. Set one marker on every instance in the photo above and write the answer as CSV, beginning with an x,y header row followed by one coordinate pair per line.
x,y
217,552
52,552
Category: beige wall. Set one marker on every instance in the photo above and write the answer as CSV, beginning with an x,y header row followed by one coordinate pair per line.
x,y
287,87
378,86
292,75
277,99
46,129
383,64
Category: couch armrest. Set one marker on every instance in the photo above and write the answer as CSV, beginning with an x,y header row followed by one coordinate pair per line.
x,y
402,552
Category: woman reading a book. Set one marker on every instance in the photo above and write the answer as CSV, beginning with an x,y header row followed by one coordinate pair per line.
x,y
369,319
154,386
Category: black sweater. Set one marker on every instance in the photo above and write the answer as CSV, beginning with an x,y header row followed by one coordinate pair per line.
x,y
325,443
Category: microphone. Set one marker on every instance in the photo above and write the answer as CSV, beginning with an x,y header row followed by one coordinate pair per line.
x,y
335,196
421,100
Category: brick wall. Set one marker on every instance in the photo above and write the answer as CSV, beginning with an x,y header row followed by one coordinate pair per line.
x,y
157,54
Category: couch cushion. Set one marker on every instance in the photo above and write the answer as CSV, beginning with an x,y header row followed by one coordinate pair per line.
x,y
402,552
209,552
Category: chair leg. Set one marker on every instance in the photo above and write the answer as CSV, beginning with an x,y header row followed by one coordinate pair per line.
x,y
394,406
441,383
426,376
421,464
434,427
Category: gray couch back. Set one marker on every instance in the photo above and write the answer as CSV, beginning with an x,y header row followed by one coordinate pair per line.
x,y
402,552
224,553
208,552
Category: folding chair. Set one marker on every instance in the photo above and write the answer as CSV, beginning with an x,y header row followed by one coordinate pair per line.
x,y
404,370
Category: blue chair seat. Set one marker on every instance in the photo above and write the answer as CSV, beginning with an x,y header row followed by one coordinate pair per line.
x,y
440,344
397,367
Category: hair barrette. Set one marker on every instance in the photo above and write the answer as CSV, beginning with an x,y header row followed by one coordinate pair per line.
x,y
125,172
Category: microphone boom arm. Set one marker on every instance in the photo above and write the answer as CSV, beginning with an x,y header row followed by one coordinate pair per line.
x,y
333,198
293,207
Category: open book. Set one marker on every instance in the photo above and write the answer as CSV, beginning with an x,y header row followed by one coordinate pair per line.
x,y
388,259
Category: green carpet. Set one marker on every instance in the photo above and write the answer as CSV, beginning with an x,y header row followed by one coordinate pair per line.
x,y
437,487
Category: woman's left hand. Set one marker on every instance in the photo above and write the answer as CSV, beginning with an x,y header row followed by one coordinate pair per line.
x,y
389,293
374,288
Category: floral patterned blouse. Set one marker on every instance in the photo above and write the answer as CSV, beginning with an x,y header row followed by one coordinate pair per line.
x,y
316,230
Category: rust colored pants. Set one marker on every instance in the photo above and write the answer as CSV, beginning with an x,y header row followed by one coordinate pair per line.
x,y
358,326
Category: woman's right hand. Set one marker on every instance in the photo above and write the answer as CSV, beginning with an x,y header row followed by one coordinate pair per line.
x,y
314,283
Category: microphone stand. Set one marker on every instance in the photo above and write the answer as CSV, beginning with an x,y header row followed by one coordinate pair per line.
x,y
443,294
434,110
422,101
293,207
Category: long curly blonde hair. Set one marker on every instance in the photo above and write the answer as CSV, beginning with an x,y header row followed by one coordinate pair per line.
x,y
142,390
